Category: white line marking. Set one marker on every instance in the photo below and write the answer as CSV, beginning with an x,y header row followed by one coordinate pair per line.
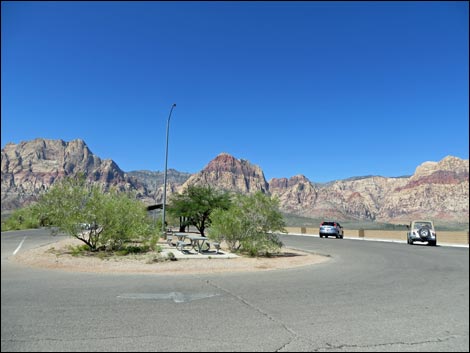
x,y
19,246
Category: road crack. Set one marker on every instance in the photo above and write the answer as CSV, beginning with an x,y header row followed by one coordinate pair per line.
x,y
242,300
346,346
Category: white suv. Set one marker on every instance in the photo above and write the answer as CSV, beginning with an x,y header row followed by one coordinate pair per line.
x,y
421,231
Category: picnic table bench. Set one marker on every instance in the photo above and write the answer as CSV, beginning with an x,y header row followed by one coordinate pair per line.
x,y
179,236
198,241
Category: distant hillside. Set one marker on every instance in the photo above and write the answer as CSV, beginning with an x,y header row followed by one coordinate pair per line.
x,y
437,190
151,179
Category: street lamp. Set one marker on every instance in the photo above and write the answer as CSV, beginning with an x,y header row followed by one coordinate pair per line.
x,y
166,163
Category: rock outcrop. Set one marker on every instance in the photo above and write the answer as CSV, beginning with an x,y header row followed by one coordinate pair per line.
x,y
225,172
439,190
294,194
30,168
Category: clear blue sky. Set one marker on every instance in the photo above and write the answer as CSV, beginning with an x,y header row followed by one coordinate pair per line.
x,y
329,90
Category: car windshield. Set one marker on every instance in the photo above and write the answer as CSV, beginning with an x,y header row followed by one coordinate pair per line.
x,y
422,224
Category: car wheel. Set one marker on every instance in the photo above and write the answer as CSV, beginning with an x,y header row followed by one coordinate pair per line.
x,y
410,242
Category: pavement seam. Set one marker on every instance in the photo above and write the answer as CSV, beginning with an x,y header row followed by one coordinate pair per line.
x,y
263,313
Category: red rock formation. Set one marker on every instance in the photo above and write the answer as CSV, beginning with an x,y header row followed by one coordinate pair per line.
x,y
436,189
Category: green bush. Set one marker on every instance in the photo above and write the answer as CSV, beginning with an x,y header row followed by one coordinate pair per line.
x,y
152,242
249,225
24,218
116,218
196,205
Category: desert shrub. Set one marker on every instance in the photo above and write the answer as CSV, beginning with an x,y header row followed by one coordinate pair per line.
x,y
249,224
24,218
102,220
152,242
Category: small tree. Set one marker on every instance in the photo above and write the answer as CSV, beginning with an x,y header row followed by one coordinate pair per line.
x,y
123,219
229,226
196,204
114,217
249,224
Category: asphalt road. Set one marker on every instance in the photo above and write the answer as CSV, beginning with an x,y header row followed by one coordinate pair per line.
x,y
370,297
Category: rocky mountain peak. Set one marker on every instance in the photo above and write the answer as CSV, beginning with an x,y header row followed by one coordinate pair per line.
x,y
449,163
30,167
284,183
450,170
226,172
278,183
298,179
226,163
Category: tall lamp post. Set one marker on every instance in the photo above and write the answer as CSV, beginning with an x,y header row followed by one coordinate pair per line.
x,y
166,163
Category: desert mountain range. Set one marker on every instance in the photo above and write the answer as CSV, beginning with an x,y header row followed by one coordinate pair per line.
x,y
438,190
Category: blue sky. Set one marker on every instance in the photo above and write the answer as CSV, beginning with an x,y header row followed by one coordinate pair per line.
x,y
329,90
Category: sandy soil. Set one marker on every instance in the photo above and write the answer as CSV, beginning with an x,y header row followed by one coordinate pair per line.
x,y
58,256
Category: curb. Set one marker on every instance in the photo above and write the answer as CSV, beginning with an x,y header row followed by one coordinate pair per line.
x,y
383,240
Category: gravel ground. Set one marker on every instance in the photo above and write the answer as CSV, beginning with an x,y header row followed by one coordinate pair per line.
x,y
58,256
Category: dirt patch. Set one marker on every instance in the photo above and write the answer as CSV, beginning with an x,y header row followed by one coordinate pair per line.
x,y
58,256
